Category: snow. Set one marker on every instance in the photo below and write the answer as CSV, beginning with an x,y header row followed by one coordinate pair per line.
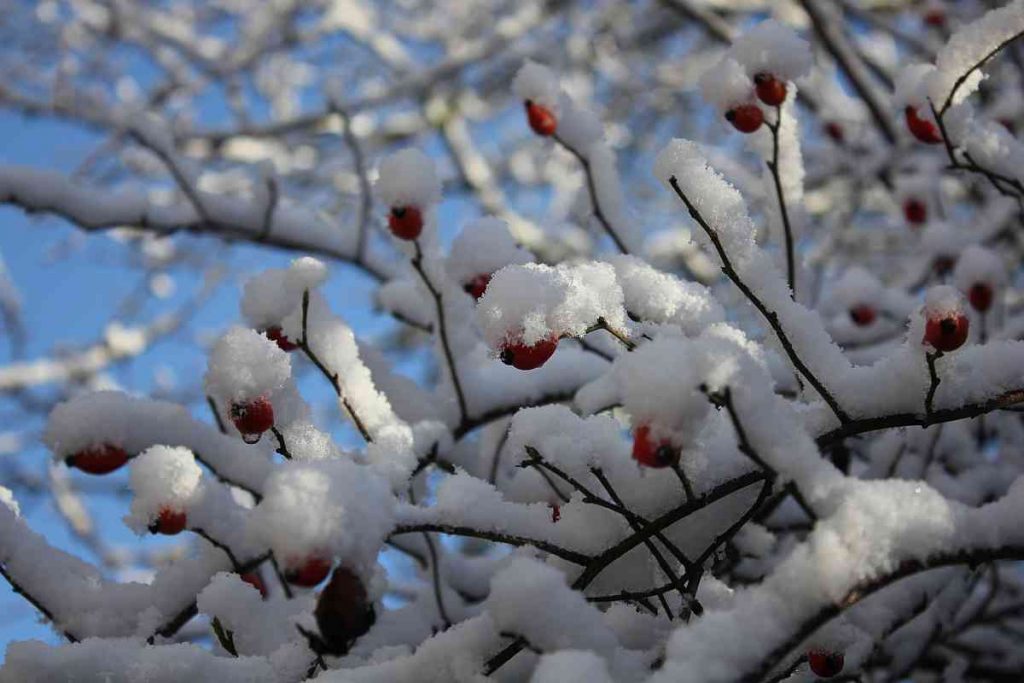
x,y
331,508
408,178
270,296
571,666
658,297
727,84
714,198
162,477
942,301
483,247
539,84
978,265
245,365
773,48
533,302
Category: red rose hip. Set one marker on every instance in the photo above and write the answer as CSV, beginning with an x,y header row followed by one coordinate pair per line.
x,y
540,118
309,572
523,357
946,333
169,522
256,581
556,512
99,459
405,222
915,211
825,663
284,343
651,453
477,286
770,90
924,130
834,131
863,315
343,611
253,418
745,118
981,296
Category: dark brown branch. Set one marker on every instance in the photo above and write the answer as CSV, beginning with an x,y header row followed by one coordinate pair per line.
x,y
35,602
509,539
787,228
770,316
592,190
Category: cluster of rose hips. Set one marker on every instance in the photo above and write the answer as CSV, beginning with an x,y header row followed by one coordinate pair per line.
x,y
747,118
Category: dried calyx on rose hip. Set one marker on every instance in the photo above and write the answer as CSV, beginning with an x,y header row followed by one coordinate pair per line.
x,y
477,286
651,451
98,459
308,572
169,522
405,222
343,611
252,418
825,663
746,118
556,512
528,356
770,90
275,334
981,295
946,332
541,119
863,315
921,128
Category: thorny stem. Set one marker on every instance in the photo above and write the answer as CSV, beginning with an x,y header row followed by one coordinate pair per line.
x,y
595,203
787,227
435,568
199,531
602,324
282,447
287,589
770,316
332,377
417,263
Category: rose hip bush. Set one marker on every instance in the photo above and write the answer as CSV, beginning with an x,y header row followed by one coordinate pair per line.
x,y
758,422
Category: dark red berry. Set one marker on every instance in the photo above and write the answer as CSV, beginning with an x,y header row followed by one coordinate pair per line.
x,y
523,357
541,119
825,663
343,611
924,130
745,118
169,522
770,90
405,222
651,453
556,512
935,18
99,459
915,211
256,581
253,418
308,573
284,343
980,296
946,333
863,315
834,131
477,286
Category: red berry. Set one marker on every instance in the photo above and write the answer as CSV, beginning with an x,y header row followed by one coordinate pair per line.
x,y
308,574
253,418
745,118
541,119
556,512
915,211
935,18
343,611
406,222
863,315
99,459
834,131
980,296
825,663
477,286
524,357
650,453
284,343
169,522
770,89
924,130
256,581
946,333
